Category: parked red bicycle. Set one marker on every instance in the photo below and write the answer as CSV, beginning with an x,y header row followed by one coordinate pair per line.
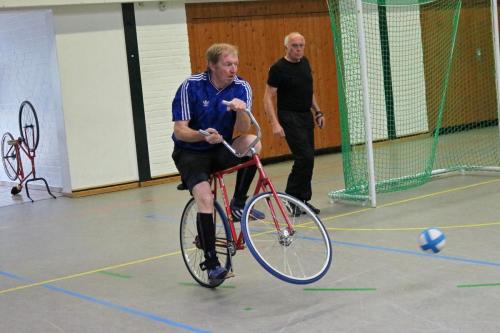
x,y
287,238
14,149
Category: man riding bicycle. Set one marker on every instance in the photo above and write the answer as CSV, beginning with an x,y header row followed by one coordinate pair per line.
x,y
198,105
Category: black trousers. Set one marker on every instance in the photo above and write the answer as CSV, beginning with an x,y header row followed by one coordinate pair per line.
x,y
299,134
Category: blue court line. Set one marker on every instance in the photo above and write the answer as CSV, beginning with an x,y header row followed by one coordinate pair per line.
x,y
418,253
415,253
121,308
158,217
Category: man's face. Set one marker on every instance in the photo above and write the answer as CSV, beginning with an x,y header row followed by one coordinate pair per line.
x,y
225,69
295,48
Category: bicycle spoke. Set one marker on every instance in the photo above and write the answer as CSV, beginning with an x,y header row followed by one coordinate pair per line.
x,y
192,252
10,158
28,126
294,247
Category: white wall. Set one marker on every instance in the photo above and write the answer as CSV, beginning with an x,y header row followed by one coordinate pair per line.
x,y
95,95
28,71
164,57
408,77
36,3
406,65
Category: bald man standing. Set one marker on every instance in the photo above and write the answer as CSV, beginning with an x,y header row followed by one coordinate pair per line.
x,y
290,79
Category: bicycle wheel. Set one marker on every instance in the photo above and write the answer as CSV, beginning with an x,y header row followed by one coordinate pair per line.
x,y
9,157
192,252
28,125
302,256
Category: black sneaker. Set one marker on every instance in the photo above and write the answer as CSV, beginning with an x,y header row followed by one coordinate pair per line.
x,y
217,273
237,212
293,210
314,209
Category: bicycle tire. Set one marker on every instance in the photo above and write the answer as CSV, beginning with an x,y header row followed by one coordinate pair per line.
x,y
300,258
10,160
28,125
192,253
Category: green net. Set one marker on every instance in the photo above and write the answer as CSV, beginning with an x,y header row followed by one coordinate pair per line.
x,y
432,91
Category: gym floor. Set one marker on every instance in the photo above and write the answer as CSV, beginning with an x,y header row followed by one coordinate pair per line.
x,y
112,263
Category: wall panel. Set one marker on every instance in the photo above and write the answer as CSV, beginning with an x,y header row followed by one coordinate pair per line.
x,y
165,64
95,95
258,29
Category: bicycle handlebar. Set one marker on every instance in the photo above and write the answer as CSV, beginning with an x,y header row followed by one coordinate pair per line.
x,y
251,147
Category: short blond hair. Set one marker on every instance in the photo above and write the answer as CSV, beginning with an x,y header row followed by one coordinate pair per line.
x,y
216,50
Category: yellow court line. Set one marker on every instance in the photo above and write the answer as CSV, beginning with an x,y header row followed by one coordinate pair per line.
x,y
425,196
478,225
89,272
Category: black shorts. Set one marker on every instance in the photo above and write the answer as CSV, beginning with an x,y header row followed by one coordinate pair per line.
x,y
197,166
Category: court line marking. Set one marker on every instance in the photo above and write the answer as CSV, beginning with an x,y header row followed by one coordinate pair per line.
x,y
117,275
178,252
419,254
107,268
478,285
340,289
458,226
136,312
420,197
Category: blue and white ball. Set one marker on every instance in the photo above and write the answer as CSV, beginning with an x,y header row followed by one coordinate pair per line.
x,y
432,240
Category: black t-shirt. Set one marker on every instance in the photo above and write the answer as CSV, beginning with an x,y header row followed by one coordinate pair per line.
x,y
295,84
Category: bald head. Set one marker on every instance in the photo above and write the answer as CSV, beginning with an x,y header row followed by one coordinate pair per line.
x,y
293,35
294,46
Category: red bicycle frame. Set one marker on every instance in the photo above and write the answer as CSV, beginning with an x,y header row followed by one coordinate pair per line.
x,y
18,146
264,184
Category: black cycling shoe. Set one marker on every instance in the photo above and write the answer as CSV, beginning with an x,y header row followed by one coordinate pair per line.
x,y
216,274
311,207
293,210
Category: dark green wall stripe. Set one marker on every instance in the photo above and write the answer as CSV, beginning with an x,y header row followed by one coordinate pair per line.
x,y
386,66
134,73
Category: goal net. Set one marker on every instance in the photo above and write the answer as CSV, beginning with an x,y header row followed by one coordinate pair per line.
x,y
429,70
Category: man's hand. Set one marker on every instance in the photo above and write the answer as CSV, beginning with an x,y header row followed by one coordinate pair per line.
x,y
278,130
212,136
236,105
319,119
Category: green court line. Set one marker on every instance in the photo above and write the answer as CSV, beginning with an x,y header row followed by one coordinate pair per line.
x,y
227,286
188,284
340,289
123,276
478,285
248,309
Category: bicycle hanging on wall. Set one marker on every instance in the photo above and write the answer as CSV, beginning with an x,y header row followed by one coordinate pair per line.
x,y
26,144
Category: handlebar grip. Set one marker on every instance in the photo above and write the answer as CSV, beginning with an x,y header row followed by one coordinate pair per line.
x,y
202,131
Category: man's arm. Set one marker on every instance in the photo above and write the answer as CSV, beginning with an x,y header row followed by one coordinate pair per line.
x,y
318,115
269,95
186,134
315,106
243,123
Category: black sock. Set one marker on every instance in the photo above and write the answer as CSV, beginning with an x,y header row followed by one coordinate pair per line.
x,y
206,232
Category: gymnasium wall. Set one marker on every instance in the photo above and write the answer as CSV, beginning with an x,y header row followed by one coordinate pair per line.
x,y
165,63
37,3
95,95
94,142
